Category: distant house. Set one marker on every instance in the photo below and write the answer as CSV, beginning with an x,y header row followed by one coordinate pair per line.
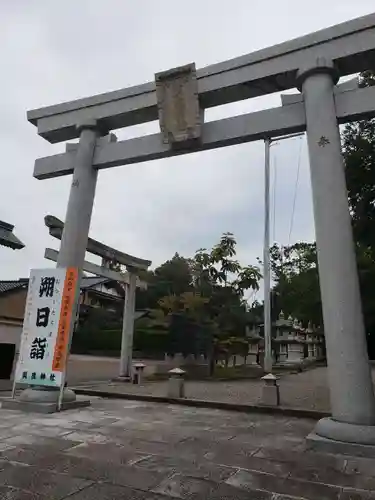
x,y
12,307
101,293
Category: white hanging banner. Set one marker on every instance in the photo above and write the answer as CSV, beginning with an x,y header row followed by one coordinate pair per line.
x,y
46,327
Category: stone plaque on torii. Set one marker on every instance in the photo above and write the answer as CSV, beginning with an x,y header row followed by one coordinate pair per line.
x,y
129,280
313,64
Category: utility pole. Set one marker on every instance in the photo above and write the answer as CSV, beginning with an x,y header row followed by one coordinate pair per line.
x,y
268,361
266,262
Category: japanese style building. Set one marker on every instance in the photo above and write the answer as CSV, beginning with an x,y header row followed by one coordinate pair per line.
x,y
292,344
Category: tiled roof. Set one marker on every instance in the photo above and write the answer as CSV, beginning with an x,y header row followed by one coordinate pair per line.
x,y
87,282
7,238
6,286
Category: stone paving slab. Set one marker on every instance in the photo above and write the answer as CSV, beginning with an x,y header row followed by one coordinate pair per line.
x,y
254,480
42,482
121,449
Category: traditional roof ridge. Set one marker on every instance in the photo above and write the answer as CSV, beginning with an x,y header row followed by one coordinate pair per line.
x,y
7,238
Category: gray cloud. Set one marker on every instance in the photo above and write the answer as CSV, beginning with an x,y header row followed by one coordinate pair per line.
x,y
56,51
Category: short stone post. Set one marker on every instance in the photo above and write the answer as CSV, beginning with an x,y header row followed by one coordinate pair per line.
x,y
176,383
138,372
270,391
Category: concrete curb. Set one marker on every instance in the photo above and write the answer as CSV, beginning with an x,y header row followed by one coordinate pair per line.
x,y
219,405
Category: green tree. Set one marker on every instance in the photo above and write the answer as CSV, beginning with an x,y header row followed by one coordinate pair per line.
x,y
204,301
171,278
358,141
219,276
296,290
91,333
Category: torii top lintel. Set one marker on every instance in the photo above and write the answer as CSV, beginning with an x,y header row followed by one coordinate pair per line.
x,y
95,247
350,45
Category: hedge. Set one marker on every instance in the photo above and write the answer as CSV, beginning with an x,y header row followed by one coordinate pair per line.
x,y
145,340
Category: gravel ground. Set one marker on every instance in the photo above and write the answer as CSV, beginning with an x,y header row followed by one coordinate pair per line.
x,y
303,390
307,390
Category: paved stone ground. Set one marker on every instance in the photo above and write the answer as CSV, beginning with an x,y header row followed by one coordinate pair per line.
x,y
148,451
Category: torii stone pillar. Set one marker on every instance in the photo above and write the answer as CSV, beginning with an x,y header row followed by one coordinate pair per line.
x,y
80,205
81,201
74,237
126,355
128,327
351,388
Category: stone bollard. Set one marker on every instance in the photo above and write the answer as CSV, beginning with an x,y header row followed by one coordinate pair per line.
x,y
270,391
176,383
138,372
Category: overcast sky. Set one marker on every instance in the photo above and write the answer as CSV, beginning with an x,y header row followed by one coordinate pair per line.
x,y
52,51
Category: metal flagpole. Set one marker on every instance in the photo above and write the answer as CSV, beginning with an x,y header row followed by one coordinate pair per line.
x,y
266,262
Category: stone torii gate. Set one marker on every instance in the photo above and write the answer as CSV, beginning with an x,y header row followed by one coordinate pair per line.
x,y
130,281
313,64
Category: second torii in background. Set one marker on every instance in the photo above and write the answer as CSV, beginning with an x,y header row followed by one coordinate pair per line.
x,y
130,280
